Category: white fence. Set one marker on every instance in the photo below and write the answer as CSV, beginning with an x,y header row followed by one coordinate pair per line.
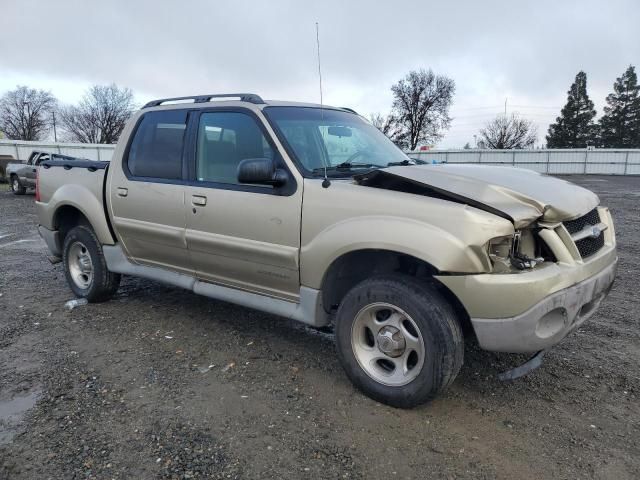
x,y
21,150
562,162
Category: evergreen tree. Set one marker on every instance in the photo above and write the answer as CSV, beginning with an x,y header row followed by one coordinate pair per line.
x,y
574,128
620,124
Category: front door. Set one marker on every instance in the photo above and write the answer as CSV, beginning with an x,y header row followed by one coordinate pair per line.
x,y
244,236
147,192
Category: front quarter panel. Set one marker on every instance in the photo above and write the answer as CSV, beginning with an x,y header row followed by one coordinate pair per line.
x,y
347,217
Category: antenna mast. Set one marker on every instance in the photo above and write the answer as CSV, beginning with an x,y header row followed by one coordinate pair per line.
x,y
319,69
326,182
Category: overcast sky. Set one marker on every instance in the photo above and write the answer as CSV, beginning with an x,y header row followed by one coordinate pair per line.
x,y
525,52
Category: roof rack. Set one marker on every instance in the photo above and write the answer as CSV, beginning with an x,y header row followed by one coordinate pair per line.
x,y
244,97
349,110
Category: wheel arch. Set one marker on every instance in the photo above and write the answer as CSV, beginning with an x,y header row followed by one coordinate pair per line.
x,y
68,216
353,267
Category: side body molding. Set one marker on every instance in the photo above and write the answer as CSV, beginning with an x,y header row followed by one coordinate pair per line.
x,y
309,310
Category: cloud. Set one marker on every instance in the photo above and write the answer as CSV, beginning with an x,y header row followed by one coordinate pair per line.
x,y
526,51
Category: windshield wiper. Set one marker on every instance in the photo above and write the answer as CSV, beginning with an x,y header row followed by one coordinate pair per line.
x,y
345,166
413,161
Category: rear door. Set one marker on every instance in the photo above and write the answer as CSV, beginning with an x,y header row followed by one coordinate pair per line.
x,y
147,192
244,236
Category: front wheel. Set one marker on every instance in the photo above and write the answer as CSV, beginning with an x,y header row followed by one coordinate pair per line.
x,y
85,266
398,340
16,186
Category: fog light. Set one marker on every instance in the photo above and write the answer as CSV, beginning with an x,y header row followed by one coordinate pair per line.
x,y
552,323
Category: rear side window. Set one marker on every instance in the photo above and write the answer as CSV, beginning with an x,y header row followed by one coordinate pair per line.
x,y
156,148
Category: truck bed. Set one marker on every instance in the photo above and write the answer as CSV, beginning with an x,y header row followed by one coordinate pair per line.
x,y
56,174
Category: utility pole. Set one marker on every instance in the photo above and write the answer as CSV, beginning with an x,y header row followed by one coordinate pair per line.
x,y
505,106
55,135
26,120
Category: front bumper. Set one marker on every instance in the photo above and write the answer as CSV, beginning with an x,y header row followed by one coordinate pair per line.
x,y
548,321
533,310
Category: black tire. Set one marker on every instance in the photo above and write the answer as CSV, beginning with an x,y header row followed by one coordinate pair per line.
x,y
103,283
434,317
16,187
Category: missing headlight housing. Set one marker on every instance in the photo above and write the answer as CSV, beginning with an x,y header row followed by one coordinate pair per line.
x,y
517,251
500,249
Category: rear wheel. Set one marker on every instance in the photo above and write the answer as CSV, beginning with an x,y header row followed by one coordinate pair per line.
x,y
85,266
398,340
16,186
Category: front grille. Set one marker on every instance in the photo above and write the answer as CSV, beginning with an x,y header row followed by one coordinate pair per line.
x,y
589,246
591,218
586,246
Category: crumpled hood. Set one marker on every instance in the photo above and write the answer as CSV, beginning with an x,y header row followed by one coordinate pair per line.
x,y
514,193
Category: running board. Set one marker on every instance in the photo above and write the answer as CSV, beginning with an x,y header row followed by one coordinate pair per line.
x,y
309,310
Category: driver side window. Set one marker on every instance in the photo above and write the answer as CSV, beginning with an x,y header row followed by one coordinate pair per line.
x,y
224,140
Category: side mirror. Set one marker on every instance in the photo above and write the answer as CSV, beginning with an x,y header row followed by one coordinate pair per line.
x,y
261,171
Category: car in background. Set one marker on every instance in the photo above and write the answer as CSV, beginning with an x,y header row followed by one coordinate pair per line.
x,y
22,175
4,161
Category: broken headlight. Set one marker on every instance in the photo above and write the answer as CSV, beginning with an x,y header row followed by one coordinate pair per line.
x,y
515,251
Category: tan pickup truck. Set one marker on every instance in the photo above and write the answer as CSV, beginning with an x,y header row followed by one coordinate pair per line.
x,y
310,213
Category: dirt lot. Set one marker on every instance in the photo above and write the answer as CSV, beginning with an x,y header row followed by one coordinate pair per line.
x,y
161,383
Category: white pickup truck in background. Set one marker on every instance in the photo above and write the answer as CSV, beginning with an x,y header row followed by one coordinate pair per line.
x,y
22,175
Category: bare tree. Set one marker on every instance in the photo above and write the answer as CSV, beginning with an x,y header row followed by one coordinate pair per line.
x,y
25,113
508,132
100,116
421,107
381,122
387,124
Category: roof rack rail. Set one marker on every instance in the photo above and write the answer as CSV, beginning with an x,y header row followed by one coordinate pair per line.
x,y
244,97
349,110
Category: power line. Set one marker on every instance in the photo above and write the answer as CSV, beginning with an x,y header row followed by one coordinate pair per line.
x,y
479,108
501,107
537,106
545,115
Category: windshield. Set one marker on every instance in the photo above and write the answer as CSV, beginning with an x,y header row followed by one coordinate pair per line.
x,y
338,140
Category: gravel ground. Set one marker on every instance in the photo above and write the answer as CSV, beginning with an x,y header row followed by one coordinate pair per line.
x,y
161,383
